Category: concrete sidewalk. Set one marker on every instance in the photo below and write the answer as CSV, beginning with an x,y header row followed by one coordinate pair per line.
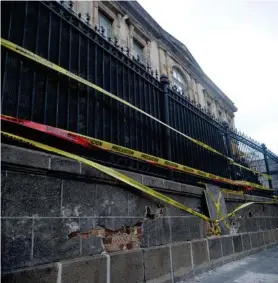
x,y
258,268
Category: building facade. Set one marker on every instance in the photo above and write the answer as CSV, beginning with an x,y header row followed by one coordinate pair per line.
x,y
135,29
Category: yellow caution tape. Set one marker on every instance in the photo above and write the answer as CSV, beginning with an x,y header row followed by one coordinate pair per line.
x,y
231,192
127,152
24,52
121,177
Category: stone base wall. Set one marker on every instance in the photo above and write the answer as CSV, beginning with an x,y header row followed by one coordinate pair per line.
x,y
164,264
52,209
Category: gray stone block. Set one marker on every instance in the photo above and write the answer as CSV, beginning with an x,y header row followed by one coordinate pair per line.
x,y
181,260
272,236
111,201
157,264
16,243
96,174
41,274
58,163
127,266
227,245
117,223
85,270
51,239
276,235
215,250
137,202
242,228
91,245
246,241
156,232
80,199
172,186
29,195
153,182
22,156
254,240
250,224
261,224
237,241
268,223
135,176
192,190
261,239
200,253
266,237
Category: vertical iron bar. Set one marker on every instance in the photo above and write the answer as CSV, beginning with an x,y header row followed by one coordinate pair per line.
x,y
266,164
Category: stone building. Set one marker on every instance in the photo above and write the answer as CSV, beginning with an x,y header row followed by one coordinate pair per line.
x,y
135,29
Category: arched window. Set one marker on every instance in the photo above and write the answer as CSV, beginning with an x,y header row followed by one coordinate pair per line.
x,y
179,81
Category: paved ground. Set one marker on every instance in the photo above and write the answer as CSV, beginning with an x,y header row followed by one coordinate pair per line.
x,y
258,268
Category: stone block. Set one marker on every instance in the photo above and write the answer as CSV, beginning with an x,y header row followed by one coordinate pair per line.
x,y
153,182
157,264
272,236
237,241
215,250
127,266
116,223
91,245
268,223
276,235
261,239
80,199
111,201
254,240
41,274
58,163
96,174
172,186
22,156
135,176
137,203
181,260
227,245
250,224
16,243
200,255
266,237
53,241
28,195
156,232
241,222
246,241
192,190
85,270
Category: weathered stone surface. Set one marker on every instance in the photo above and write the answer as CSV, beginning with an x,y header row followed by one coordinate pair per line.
x,y
135,176
28,195
268,223
227,245
16,242
85,270
26,157
262,224
44,274
261,239
111,201
153,182
192,190
254,240
237,244
79,199
58,163
51,239
246,242
172,186
156,232
181,259
266,237
215,250
96,174
200,252
91,245
127,267
157,264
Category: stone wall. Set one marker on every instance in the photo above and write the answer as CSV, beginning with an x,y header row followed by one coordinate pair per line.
x,y
53,209
164,264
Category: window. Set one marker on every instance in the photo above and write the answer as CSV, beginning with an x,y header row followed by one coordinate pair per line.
x,y
179,81
106,24
138,50
219,114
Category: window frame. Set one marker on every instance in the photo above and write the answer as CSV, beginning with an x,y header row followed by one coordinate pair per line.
x,y
105,22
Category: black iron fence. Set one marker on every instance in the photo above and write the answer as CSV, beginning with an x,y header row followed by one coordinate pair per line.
x,y
34,92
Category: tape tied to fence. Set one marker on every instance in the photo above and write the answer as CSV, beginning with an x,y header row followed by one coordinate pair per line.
x,y
24,52
125,179
88,142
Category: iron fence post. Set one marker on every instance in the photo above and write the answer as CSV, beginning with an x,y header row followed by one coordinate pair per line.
x,y
266,164
229,147
165,116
